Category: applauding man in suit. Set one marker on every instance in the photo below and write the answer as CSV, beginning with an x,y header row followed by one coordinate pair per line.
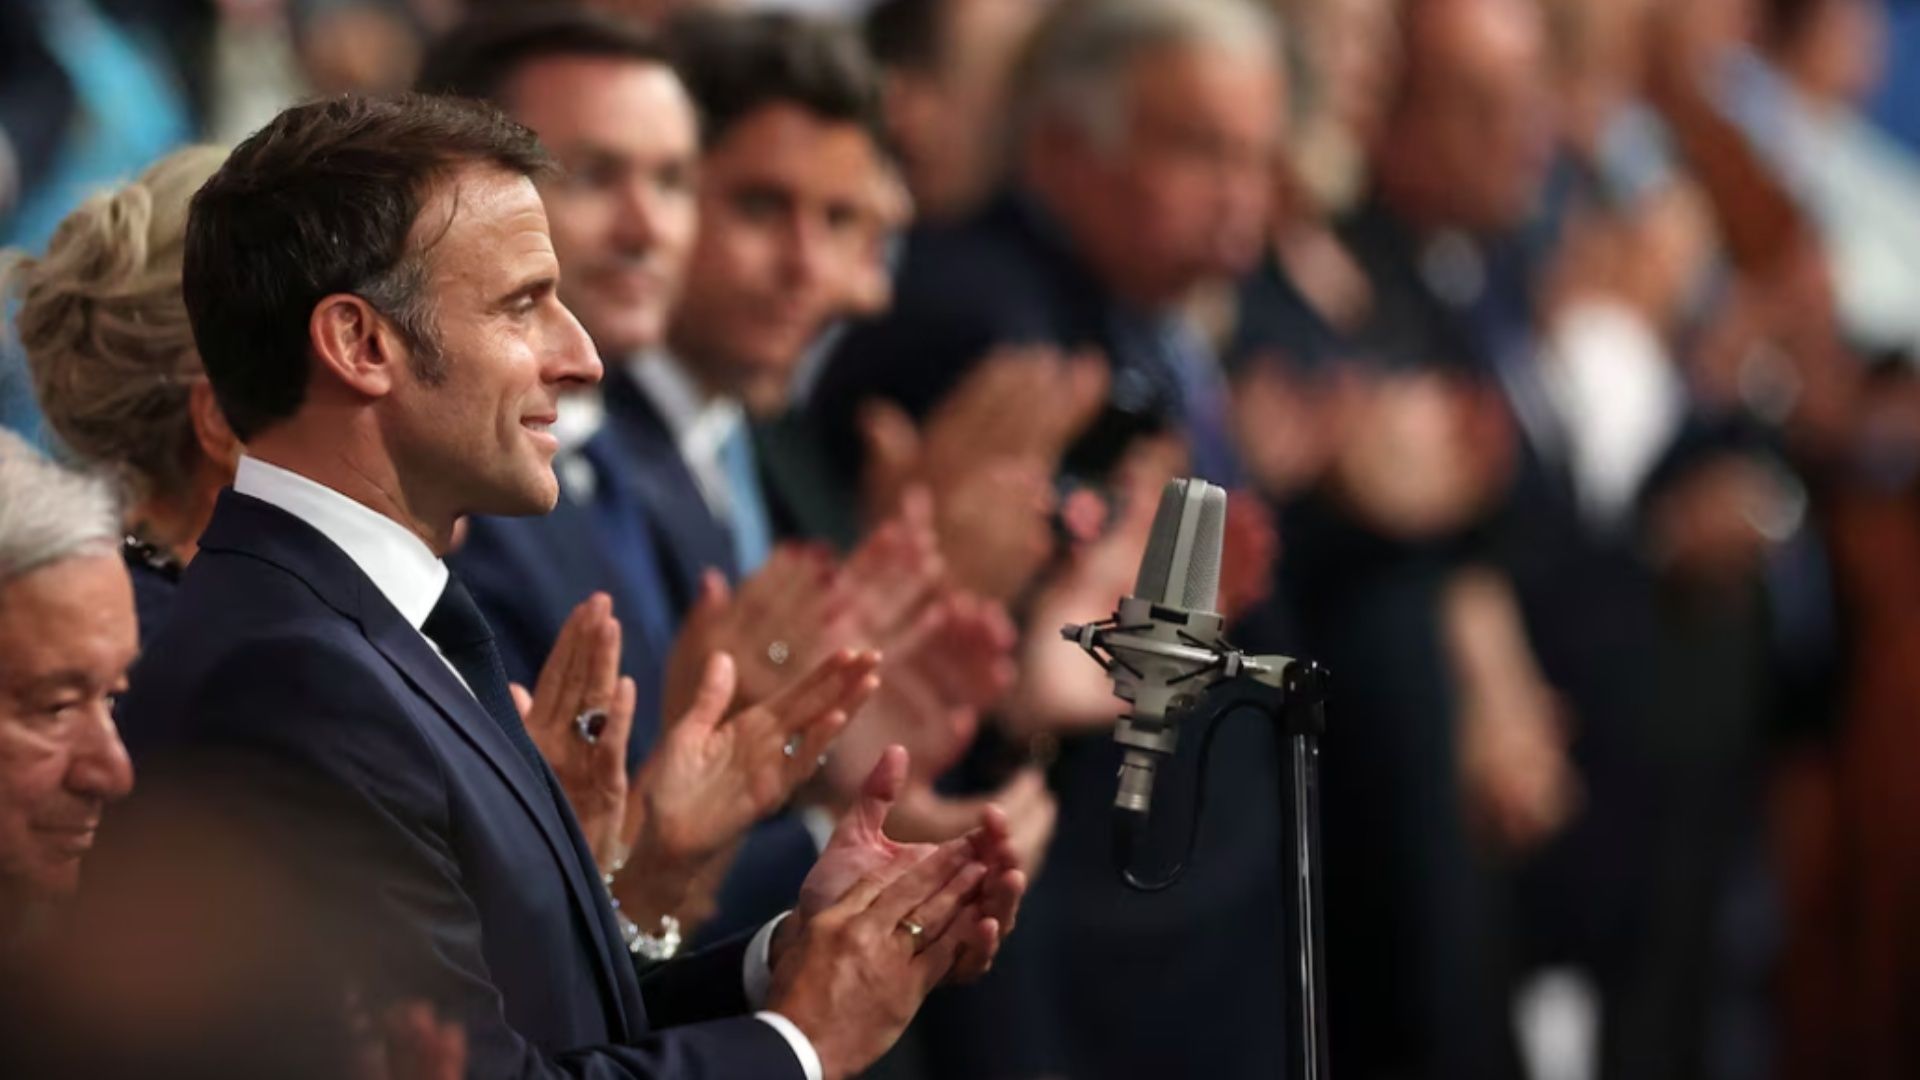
x,y
373,291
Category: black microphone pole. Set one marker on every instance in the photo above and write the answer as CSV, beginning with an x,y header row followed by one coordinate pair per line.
x,y
1297,708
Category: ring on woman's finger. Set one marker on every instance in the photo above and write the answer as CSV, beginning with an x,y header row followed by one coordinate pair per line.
x,y
792,748
589,724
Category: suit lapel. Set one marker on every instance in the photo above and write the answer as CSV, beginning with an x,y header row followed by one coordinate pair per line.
x,y
250,526
691,538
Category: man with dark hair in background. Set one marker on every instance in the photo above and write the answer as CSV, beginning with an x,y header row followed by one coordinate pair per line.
x,y
374,295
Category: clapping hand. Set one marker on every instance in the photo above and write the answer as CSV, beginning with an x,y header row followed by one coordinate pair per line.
x,y
881,923
987,456
712,775
772,626
580,716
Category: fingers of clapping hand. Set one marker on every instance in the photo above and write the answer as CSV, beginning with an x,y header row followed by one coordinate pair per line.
x,y
877,796
816,709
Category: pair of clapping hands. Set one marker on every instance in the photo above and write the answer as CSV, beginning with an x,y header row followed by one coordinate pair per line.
x,y
795,653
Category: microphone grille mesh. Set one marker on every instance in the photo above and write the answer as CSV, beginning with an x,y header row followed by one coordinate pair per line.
x,y
1157,563
1203,571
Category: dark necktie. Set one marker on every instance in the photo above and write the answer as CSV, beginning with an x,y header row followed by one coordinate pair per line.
x,y
461,632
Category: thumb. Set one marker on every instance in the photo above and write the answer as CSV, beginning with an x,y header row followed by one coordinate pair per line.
x,y
881,790
522,701
710,701
715,594
892,440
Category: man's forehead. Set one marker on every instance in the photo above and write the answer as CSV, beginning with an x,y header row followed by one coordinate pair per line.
x,y
546,92
480,206
783,138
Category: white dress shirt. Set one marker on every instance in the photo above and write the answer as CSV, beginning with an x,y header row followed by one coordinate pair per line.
x,y
700,424
412,577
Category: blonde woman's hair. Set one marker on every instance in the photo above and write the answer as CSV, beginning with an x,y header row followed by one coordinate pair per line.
x,y
105,328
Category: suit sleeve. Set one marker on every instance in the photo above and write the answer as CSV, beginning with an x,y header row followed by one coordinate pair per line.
x,y
373,837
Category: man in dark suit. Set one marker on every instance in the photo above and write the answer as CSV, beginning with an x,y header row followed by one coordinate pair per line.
x,y
373,293
604,97
1143,139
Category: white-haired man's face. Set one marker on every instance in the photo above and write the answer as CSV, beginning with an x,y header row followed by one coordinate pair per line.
x,y
67,637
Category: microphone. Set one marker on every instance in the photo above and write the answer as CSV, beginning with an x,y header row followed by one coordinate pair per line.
x,y
1165,640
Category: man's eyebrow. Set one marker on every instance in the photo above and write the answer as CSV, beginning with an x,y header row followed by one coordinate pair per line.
x,y
56,680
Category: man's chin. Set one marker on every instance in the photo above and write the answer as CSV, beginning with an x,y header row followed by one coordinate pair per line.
x,y
538,495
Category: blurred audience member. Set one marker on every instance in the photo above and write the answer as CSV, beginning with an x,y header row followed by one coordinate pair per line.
x,y
118,379
947,64
66,641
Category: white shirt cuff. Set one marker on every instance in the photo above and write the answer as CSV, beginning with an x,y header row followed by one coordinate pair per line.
x,y
756,977
802,1049
756,973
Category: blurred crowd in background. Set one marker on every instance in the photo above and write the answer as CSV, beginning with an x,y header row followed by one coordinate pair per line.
x,y
1562,357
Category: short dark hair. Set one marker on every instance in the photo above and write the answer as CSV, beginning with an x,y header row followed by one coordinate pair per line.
x,y
481,56
735,63
321,201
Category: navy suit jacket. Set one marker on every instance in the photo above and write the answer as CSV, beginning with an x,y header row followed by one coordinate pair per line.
x,y
528,573
465,862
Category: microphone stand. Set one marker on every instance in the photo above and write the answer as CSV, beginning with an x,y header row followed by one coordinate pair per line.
x,y
1292,695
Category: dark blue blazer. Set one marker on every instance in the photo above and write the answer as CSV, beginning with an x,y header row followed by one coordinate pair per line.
x,y
691,538
467,863
528,573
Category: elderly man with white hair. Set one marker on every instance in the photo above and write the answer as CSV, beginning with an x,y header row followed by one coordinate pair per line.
x,y
67,635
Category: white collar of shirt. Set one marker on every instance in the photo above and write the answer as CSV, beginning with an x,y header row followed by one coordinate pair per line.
x,y
700,425
398,562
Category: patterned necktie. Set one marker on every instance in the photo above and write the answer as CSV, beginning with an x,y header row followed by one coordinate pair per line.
x,y
462,634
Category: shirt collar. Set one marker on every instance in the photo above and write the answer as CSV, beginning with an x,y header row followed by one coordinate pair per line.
x,y
399,563
700,424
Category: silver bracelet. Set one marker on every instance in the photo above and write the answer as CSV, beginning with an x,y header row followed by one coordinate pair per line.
x,y
654,947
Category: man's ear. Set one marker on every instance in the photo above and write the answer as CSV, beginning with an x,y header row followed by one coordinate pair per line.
x,y
355,344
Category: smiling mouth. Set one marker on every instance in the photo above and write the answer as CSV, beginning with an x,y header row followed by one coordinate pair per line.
x,y
73,840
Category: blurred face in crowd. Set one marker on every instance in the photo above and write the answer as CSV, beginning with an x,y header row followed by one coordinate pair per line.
x,y
946,120
1182,195
67,636
787,202
1470,140
623,210
475,418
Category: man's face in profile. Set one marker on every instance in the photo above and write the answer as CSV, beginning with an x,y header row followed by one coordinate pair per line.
x,y
473,408
67,636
